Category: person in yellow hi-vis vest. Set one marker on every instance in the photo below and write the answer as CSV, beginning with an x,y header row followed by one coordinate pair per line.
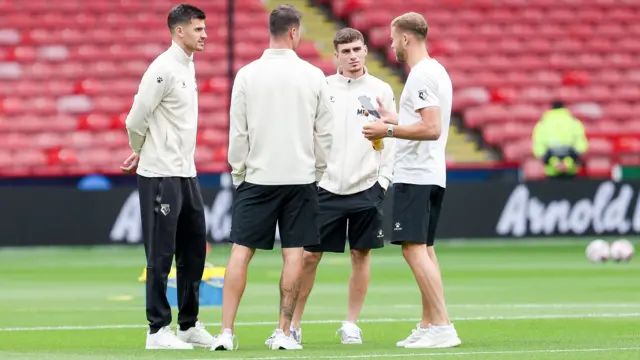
x,y
559,140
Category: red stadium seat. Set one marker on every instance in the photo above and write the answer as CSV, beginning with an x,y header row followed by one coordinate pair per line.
x,y
30,158
599,167
6,159
533,169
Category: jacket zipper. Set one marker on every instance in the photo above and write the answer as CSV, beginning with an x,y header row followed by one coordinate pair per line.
x,y
346,129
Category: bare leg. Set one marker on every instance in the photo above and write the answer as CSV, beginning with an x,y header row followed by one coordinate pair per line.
x,y
428,278
309,267
432,255
431,251
358,283
235,280
289,286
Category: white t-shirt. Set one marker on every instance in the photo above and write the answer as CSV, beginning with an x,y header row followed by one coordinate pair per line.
x,y
424,162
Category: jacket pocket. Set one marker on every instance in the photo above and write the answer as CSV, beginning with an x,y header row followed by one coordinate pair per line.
x,y
173,154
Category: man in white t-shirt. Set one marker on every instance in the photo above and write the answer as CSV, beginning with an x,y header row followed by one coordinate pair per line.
x,y
421,130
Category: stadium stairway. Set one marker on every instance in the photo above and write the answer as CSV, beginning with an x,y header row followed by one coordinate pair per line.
x,y
319,28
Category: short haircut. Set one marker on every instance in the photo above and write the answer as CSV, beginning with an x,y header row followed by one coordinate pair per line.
x,y
557,104
282,18
347,36
183,14
412,22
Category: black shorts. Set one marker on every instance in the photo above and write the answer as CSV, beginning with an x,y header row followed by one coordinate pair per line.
x,y
416,211
257,209
362,211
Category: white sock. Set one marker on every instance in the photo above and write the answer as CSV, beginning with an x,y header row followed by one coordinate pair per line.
x,y
227,332
442,327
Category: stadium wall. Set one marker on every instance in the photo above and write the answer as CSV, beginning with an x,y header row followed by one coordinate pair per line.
x,y
68,216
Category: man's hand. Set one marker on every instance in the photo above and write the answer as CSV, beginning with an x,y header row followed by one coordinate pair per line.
x,y
375,130
131,164
388,117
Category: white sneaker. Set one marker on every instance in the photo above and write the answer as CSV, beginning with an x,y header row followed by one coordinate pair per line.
x,y
165,339
196,336
270,338
224,341
350,333
444,336
283,342
296,333
415,335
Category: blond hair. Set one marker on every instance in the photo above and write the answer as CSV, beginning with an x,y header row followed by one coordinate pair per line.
x,y
412,22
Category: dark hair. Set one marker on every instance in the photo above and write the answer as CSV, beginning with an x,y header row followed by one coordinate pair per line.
x,y
282,18
183,14
557,104
347,36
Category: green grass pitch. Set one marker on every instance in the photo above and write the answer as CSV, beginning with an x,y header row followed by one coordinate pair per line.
x,y
525,300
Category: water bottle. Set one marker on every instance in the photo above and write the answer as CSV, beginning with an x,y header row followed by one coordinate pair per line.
x,y
378,144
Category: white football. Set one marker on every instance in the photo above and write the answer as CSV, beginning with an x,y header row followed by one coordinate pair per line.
x,y
598,251
621,250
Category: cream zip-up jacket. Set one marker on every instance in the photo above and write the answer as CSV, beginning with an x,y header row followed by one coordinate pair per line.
x,y
163,121
354,165
280,121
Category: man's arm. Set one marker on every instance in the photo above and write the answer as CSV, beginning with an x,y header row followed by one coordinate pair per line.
x,y
385,176
151,91
238,130
423,92
322,137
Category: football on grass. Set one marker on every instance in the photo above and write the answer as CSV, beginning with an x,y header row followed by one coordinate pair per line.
x,y
621,250
598,251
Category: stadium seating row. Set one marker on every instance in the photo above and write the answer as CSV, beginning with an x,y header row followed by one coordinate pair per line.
x,y
67,77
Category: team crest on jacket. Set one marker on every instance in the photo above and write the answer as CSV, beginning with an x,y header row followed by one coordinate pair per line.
x,y
165,209
422,94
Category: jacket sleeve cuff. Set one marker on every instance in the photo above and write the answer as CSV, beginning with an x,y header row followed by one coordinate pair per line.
x,y
237,180
319,175
384,182
136,141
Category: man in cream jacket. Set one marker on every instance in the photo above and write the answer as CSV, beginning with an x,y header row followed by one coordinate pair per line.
x,y
354,185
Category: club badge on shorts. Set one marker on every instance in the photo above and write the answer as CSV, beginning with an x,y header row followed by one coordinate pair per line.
x,y
165,209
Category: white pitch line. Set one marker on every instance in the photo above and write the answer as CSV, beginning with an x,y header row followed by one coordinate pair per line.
x,y
398,306
317,322
534,306
422,354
